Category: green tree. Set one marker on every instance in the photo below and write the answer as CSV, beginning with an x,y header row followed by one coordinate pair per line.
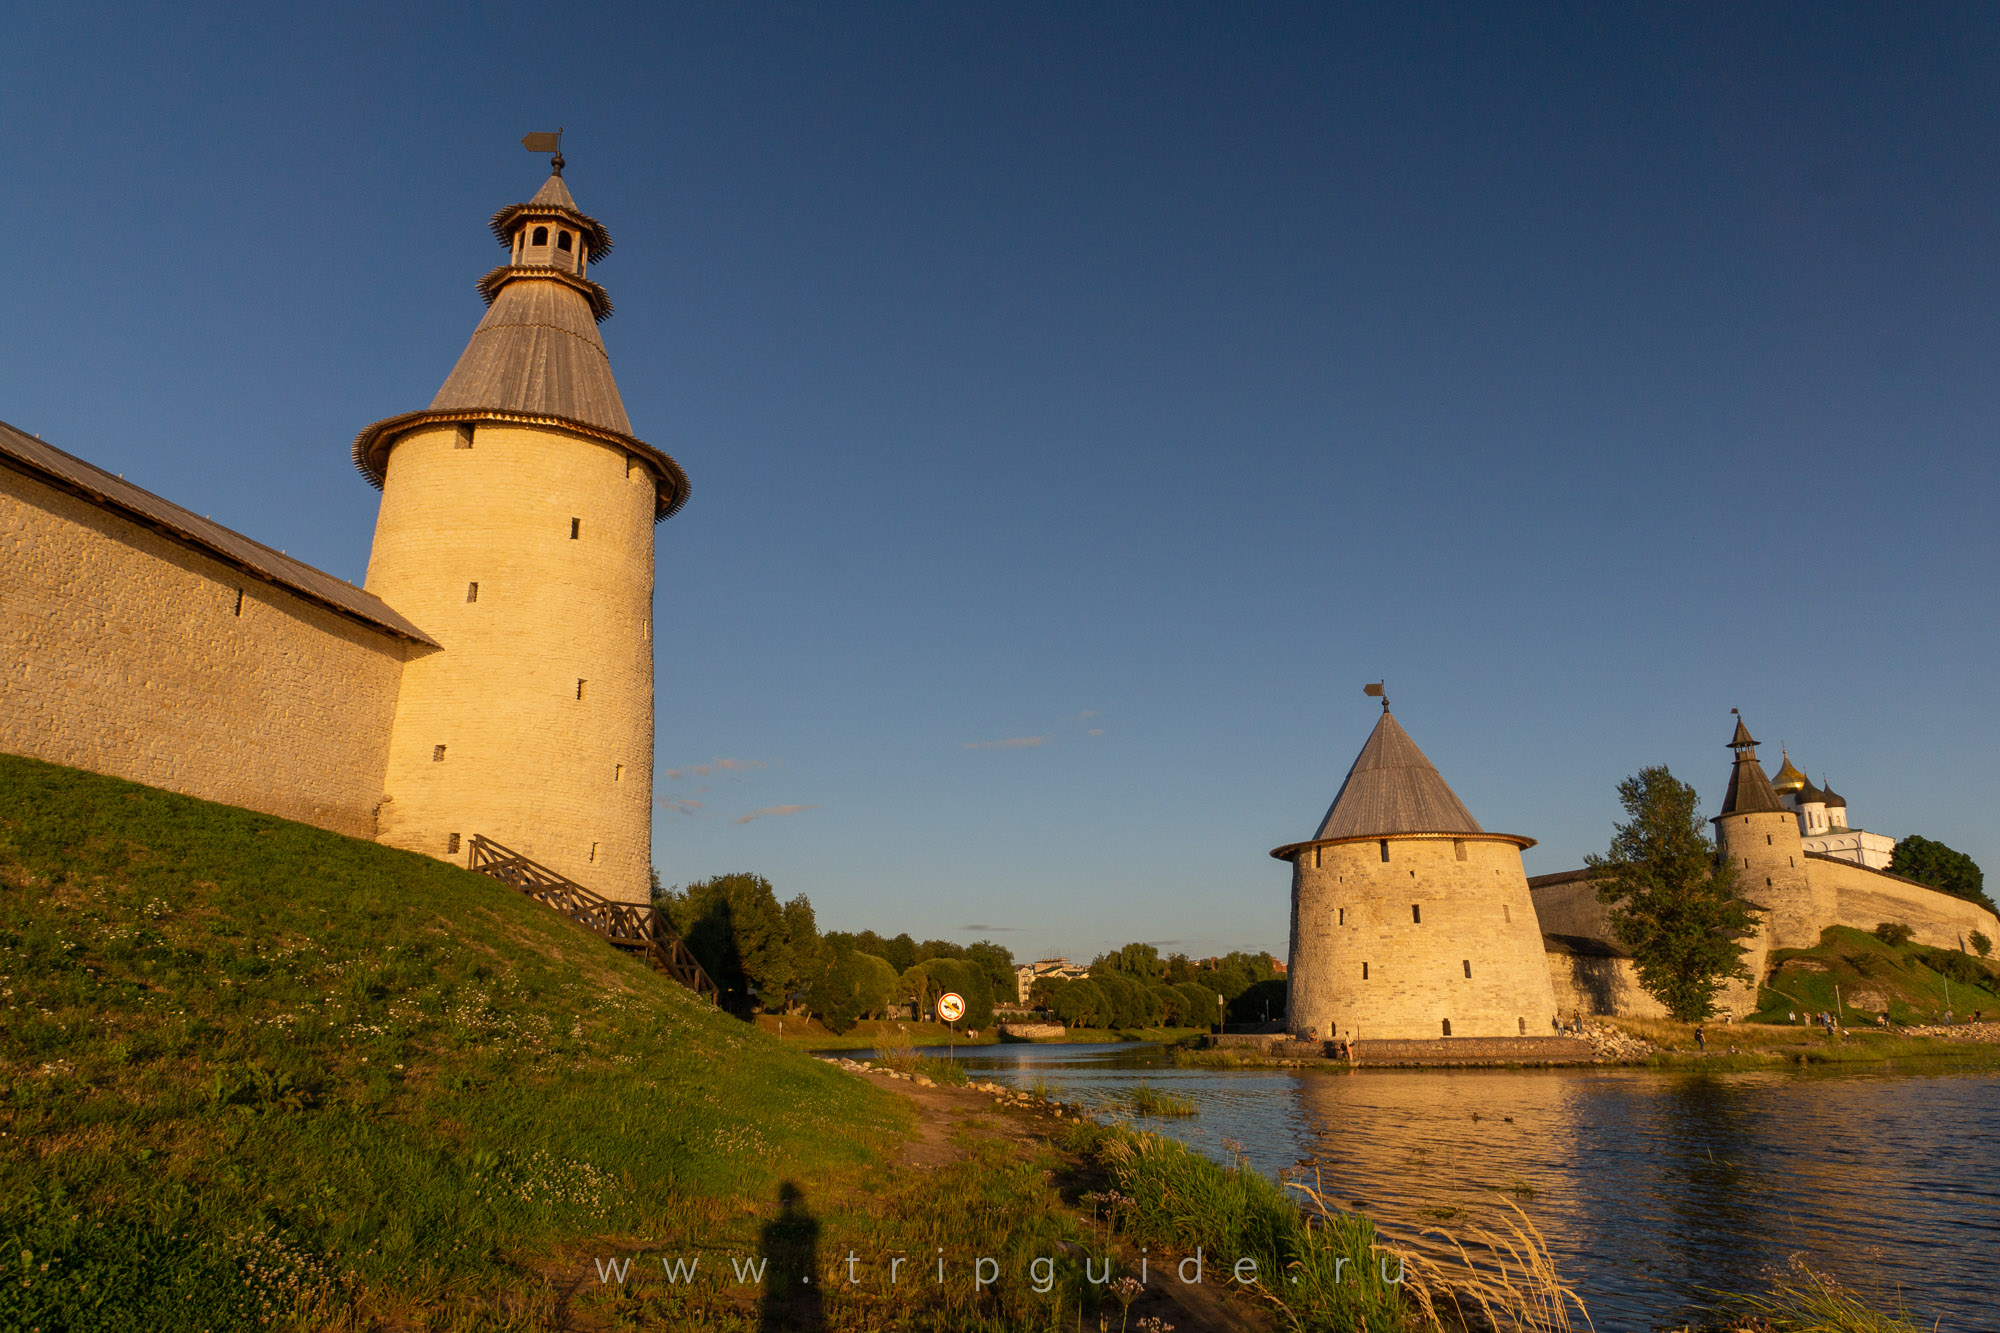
x,y
997,961
802,947
1893,933
1199,1008
1141,962
734,926
1942,868
1082,1004
1043,991
1673,904
850,986
1980,944
901,951
923,983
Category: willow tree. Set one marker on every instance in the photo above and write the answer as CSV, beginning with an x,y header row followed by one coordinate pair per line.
x,y
1673,904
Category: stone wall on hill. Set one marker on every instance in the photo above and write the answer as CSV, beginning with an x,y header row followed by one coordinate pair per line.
x,y
131,653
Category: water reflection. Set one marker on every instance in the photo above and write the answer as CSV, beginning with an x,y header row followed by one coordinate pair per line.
x,y
1651,1187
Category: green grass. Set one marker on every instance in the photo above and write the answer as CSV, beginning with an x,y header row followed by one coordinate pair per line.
x,y
1753,1045
1874,978
1320,1274
872,1034
238,1049
1148,1100
1805,1301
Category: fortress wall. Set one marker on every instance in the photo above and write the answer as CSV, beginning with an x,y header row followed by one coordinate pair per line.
x,y
1571,908
1476,910
1603,985
1867,898
564,780
122,652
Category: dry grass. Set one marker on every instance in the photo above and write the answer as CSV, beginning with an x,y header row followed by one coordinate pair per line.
x,y
1498,1276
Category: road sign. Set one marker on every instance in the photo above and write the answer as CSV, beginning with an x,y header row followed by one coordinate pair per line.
x,y
951,1006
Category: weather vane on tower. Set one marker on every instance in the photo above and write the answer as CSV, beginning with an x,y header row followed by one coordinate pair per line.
x,y
541,141
1379,690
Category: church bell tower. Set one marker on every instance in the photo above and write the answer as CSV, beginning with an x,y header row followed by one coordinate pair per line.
x,y
516,529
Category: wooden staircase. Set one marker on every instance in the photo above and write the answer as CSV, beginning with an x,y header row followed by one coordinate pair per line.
x,y
626,925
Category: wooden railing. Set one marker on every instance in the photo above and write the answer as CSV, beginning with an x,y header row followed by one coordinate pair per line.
x,y
627,925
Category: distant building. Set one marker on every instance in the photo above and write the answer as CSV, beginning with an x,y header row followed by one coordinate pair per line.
x,y
1823,826
1027,974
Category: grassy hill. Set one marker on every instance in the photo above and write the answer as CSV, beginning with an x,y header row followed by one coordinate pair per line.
x,y
253,1070
1908,982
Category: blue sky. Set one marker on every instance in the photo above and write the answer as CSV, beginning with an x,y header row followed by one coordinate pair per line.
x,y
1082,403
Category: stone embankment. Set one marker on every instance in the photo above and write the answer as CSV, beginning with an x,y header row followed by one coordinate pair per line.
x,y
1004,1095
1617,1046
1957,1032
1033,1031
1434,1052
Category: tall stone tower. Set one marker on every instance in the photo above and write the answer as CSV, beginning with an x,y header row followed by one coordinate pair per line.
x,y
1408,919
1760,835
517,530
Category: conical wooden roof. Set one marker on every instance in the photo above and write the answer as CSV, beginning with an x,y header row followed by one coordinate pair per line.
x,y
1393,789
535,357
1750,791
537,352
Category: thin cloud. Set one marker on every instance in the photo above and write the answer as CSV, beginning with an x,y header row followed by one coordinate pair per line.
x,y
1095,731
715,766
679,805
1011,743
775,810
992,930
1085,716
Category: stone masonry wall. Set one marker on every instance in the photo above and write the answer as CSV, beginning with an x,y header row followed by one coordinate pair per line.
x,y
564,779
1770,863
122,651
1600,984
1867,898
1352,908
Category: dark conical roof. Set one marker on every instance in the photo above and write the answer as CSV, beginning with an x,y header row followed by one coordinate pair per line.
x,y
537,352
1393,789
1831,798
1750,790
1810,795
536,356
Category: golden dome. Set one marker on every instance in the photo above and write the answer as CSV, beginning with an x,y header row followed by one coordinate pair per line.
x,y
1788,778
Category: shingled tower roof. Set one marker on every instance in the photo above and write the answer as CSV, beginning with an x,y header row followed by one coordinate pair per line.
x,y
1393,789
536,357
1750,791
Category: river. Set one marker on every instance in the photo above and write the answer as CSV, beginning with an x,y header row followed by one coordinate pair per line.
x,y
1650,1186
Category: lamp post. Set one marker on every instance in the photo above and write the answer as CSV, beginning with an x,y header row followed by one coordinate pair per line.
x,y
1218,1015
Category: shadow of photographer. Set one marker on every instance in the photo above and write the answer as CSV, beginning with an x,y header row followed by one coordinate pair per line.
x,y
792,1302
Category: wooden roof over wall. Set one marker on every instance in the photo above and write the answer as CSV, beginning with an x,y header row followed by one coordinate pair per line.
x,y
24,453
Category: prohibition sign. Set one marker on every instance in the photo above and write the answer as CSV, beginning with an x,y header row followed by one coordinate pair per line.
x,y
951,1006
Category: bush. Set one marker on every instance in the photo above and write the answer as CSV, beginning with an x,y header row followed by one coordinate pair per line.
x,y
1893,933
1980,944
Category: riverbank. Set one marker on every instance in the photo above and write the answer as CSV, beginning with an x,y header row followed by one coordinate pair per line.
x,y
1148,1201
889,1034
1661,1043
